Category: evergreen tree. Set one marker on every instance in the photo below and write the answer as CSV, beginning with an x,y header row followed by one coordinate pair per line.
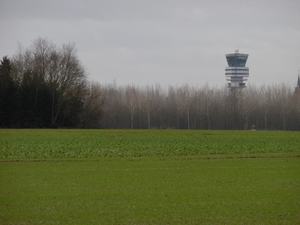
x,y
7,93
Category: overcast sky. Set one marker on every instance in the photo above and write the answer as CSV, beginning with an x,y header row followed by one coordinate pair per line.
x,y
167,42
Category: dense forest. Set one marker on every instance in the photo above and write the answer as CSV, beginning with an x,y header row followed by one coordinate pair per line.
x,y
45,86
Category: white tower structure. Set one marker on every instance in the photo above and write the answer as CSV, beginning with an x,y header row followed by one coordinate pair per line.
x,y
236,73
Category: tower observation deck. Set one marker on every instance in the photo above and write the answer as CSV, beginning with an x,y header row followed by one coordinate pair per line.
x,y
236,73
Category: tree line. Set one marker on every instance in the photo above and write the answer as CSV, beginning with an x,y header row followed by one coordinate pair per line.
x,y
46,86
275,107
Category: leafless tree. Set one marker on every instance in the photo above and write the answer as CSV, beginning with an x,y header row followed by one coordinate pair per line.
x,y
283,97
268,107
94,102
57,68
248,103
184,100
132,101
265,100
296,107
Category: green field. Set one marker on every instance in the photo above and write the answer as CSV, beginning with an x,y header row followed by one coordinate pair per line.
x,y
66,144
149,177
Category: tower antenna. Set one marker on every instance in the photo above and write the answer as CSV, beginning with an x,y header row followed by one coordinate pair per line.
x,y
297,88
298,84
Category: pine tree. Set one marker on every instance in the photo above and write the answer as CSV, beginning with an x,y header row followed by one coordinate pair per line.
x,y
7,93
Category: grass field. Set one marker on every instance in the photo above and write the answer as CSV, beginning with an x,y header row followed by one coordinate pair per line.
x,y
49,144
149,177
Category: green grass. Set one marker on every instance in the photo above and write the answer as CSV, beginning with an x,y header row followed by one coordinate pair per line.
x,y
151,191
149,177
49,144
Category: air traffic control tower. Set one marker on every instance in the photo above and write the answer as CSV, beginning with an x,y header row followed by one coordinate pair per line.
x,y
236,73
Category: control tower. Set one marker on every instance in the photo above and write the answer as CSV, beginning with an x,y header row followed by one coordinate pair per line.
x,y
236,73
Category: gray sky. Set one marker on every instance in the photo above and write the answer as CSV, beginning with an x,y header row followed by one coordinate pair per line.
x,y
167,42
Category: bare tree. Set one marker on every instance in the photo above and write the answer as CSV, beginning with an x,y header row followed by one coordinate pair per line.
x,y
132,102
284,97
186,97
265,99
296,107
93,104
149,95
208,99
202,108
57,68
248,103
